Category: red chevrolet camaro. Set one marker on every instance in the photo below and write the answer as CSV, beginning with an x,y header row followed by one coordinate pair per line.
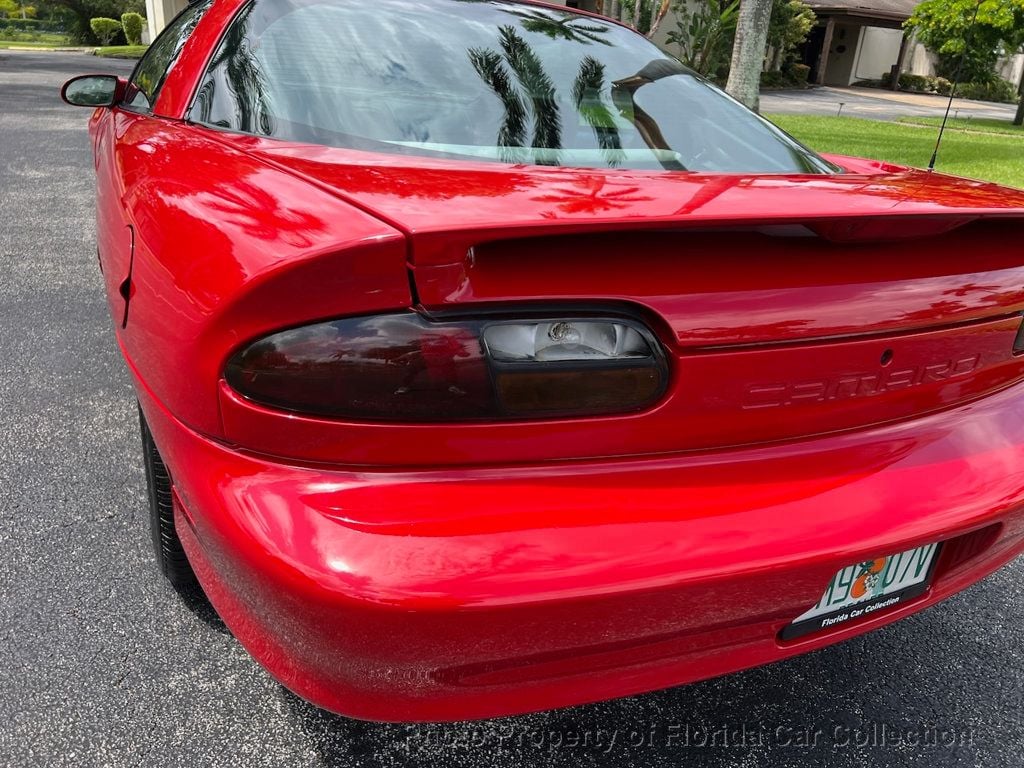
x,y
490,361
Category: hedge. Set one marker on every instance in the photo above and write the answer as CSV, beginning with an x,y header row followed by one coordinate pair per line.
x,y
33,25
105,29
132,23
997,90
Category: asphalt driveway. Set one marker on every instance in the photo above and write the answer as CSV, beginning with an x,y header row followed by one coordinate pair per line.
x,y
877,104
101,664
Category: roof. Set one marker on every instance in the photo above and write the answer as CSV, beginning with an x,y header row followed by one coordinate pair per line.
x,y
895,10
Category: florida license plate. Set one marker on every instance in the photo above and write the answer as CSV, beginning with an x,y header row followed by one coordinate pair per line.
x,y
866,588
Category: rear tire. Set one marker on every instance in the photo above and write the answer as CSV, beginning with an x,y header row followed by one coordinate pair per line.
x,y
170,555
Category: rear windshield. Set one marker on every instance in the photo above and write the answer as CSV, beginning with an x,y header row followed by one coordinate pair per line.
x,y
498,81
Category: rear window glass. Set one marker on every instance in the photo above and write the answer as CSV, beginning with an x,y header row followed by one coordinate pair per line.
x,y
497,81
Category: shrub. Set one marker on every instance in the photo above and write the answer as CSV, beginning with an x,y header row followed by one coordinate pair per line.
x,y
915,83
9,33
774,79
132,24
30,25
943,86
705,35
791,22
799,73
793,76
997,90
105,29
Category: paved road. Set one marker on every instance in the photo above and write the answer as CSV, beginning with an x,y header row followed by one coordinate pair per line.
x,y
876,104
101,664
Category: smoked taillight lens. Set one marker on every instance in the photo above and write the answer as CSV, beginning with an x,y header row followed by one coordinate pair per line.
x,y
380,368
406,367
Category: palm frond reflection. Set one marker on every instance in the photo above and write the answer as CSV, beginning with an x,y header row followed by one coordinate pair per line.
x,y
235,65
540,90
512,134
562,26
587,89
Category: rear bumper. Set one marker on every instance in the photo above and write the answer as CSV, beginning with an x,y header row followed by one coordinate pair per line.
x,y
464,594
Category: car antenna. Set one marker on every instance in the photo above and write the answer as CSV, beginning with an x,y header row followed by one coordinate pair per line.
x,y
956,81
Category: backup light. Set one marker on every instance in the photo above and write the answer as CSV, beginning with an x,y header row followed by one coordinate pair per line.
x,y
564,340
406,367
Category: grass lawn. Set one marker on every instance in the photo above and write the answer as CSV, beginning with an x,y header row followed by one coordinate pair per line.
x,y
987,156
122,51
34,40
976,124
11,44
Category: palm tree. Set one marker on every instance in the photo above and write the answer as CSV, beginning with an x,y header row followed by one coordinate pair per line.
x,y
748,52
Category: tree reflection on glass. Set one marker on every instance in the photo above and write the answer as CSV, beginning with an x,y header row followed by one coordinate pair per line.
x,y
236,64
562,26
592,195
586,94
539,90
512,134
547,123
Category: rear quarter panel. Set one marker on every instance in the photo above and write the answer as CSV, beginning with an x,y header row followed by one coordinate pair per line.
x,y
113,234
228,249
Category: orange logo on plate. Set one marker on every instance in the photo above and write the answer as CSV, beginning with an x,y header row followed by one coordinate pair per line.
x,y
868,577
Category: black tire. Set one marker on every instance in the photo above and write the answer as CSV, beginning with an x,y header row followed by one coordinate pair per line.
x,y
170,555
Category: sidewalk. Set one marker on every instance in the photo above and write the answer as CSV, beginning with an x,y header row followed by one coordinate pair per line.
x,y
876,104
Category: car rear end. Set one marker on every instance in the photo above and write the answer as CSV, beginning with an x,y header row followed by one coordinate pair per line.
x,y
827,394
470,433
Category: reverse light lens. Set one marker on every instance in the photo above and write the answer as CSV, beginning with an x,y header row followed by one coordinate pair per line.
x,y
565,340
403,367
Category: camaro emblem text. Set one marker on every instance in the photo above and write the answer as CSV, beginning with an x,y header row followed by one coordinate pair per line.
x,y
852,385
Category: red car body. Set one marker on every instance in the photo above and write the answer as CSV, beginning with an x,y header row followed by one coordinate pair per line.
x,y
843,385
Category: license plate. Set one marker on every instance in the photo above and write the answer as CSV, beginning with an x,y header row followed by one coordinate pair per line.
x,y
866,588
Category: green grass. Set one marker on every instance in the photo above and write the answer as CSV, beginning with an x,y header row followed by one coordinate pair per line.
x,y
986,156
35,40
122,51
976,124
12,44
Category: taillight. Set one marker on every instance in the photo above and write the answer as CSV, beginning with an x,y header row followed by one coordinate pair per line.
x,y
404,367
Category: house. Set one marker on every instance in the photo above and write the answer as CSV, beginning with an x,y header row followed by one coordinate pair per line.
x,y
853,40
160,12
864,39
856,39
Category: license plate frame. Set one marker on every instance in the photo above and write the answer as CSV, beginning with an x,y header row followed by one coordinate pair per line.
x,y
909,574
